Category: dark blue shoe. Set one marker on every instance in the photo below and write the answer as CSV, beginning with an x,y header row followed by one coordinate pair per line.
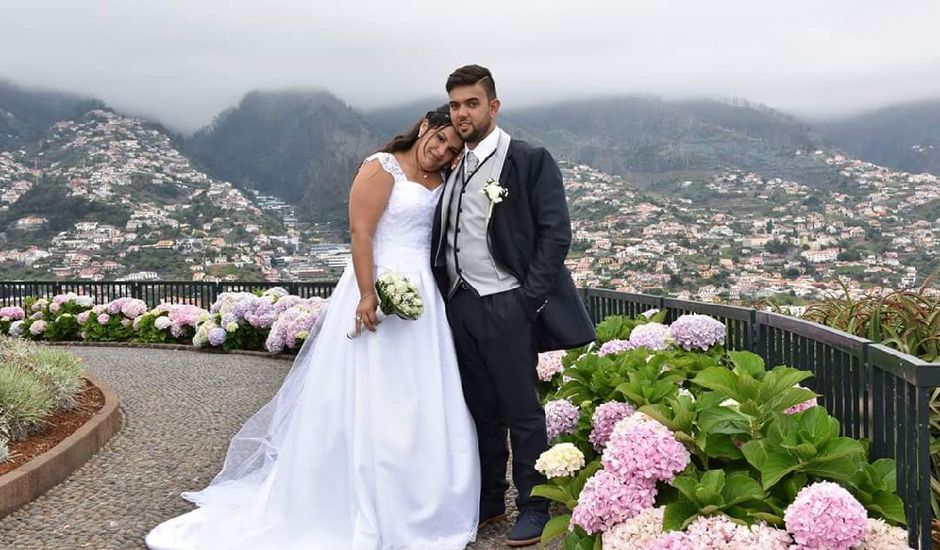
x,y
528,529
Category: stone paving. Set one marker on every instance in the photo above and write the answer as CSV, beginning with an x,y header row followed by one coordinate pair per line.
x,y
180,409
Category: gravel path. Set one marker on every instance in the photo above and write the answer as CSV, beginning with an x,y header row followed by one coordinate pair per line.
x,y
180,410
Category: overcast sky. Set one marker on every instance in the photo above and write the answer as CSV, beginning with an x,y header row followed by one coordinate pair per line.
x,y
183,61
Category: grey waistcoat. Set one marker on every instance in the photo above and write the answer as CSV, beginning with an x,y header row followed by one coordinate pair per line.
x,y
467,207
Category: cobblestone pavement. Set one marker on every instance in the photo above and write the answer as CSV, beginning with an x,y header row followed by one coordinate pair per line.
x,y
180,410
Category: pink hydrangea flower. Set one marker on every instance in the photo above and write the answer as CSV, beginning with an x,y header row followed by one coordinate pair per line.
x,y
636,532
12,313
648,450
37,327
103,319
673,540
133,308
718,531
800,407
605,418
561,417
549,364
607,500
826,516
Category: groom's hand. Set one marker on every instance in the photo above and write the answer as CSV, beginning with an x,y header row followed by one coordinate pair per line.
x,y
530,306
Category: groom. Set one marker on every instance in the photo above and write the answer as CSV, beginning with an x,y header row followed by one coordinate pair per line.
x,y
500,237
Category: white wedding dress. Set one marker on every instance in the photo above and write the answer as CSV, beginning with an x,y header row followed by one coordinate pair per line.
x,y
368,445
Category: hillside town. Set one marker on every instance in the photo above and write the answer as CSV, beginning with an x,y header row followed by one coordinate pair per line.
x,y
167,209
791,241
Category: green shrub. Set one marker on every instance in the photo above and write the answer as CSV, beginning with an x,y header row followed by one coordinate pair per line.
x,y
24,401
62,375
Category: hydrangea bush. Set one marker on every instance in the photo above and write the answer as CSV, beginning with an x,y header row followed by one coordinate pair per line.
x,y
53,320
272,320
298,319
169,323
239,320
113,321
687,445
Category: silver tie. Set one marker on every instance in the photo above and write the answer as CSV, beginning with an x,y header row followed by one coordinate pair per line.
x,y
472,163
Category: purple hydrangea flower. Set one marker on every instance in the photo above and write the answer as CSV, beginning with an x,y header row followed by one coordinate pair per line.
x,y
653,336
115,305
694,331
561,417
605,418
614,346
824,515
217,336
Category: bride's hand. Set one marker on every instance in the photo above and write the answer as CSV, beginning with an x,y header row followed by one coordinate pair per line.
x,y
365,313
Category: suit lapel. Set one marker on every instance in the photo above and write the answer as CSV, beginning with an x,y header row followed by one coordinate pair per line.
x,y
505,178
443,209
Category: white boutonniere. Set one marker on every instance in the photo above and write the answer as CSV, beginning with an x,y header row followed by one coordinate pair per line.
x,y
494,192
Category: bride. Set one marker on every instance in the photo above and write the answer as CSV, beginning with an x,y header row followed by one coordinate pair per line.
x,y
368,444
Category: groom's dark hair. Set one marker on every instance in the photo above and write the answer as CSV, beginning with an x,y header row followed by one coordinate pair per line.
x,y
469,75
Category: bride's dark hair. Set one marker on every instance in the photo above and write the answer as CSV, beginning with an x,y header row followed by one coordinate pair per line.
x,y
438,118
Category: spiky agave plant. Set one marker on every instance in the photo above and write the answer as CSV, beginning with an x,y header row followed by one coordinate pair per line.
x,y
906,320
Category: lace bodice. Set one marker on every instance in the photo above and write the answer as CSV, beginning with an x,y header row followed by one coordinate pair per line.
x,y
404,230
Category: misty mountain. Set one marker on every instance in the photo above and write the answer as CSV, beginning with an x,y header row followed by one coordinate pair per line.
x,y
25,114
301,146
905,136
652,140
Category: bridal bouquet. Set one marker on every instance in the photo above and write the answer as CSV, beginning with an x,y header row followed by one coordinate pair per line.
x,y
397,296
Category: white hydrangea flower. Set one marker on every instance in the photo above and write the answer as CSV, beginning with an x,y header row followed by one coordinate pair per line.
x,y
562,460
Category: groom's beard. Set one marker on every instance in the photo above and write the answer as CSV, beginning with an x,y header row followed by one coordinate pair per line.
x,y
475,135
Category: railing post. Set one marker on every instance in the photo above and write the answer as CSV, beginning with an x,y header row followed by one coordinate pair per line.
x,y
753,335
